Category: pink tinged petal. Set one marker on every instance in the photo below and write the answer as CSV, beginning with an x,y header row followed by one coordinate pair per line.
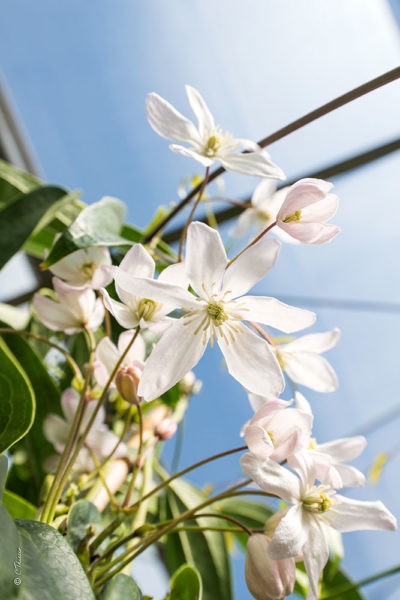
x,y
102,277
246,221
271,477
272,312
263,193
69,403
303,193
348,476
258,442
250,361
320,211
252,163
138,262
314,342
344,449
97,316
290,535
178,351
122,313
302,404
310,233
200,109
56,431
250,267
203,160
311,370
315,555
205,259
354,515
173,296
137,352
257,401
55,316
167,121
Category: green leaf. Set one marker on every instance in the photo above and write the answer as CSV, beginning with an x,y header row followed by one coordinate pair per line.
x,y
17,400
252,514
121,587
335,581
20,218
18,507
36,563
186,584
47,395
20,180
97,225
83,516
205,550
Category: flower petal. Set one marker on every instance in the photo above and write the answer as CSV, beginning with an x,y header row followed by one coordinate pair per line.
x,y
263,194
167,121
56,431
311,370
314,342
250,360
290,535
269,311
105,360
203,160
315,554
271,477
250,266
200,109
138,262
252,163
178,351
303,193
353,515
344,449
55,316
122,313
205,259
244,223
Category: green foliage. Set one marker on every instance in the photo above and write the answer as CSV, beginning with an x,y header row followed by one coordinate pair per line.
x,y
186,584
335,581
19,219
205,550
84,521
17,400
252,514
97,225
36,563
121,587
18,507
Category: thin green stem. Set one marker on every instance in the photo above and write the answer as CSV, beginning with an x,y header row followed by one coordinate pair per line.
x,y
256,239
138,459
351,588
40,338
190,217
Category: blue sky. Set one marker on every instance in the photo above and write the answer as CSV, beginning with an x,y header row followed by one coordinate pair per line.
x,y
79,73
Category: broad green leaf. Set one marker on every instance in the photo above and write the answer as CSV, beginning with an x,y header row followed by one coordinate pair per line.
x,y
17,400
121,587
47,401
97,225
252,514
335,581
18,507
206,550
186,584
36,563
20,218
82,516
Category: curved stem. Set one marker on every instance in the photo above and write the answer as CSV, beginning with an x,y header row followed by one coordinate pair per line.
x,y
353,94
40,338
190,217
256,239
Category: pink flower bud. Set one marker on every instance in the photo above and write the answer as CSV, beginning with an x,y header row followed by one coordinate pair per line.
x,y
127,381
166,429
267,579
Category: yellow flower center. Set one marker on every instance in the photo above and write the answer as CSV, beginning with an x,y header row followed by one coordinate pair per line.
x,y
146,309
216,312
293,217
212,145
317,502
263,215
88,269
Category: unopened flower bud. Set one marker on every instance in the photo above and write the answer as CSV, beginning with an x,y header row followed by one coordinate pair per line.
x,y
166,429
127,381
267,579
189,384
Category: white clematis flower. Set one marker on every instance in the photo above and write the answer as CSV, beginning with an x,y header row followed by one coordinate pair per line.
x,y
134,309
277,431
100,440
300,529
75,310
301,360
216,310
84,268
307,205
207,142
